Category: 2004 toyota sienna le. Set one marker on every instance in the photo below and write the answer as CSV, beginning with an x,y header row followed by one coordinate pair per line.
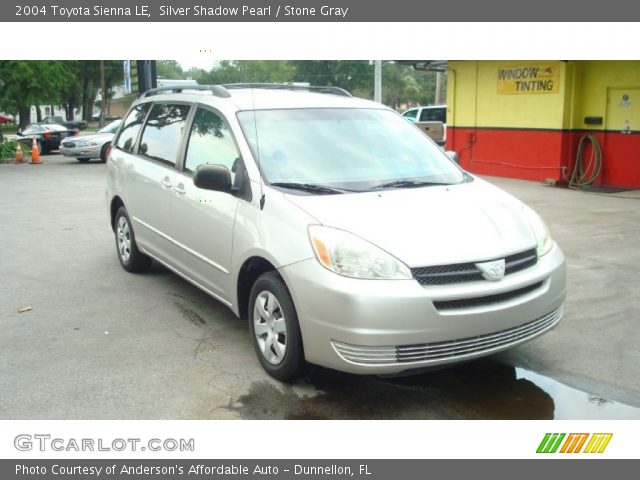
x,y
343,234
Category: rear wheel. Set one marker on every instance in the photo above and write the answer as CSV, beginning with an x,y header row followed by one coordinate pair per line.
x,y
273,323
131,259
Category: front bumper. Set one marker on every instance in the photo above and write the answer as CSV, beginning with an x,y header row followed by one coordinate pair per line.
x,y
81,152
390,326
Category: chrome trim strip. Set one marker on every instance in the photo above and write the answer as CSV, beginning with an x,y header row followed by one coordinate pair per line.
x,y
439,352
184,247
515,263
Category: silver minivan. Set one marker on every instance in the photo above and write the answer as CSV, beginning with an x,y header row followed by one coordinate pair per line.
x,y
343,234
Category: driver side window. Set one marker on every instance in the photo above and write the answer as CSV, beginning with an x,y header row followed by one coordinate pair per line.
x,y
210,142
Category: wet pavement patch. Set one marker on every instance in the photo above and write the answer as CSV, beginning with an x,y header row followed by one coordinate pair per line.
x,y
484,389
190,314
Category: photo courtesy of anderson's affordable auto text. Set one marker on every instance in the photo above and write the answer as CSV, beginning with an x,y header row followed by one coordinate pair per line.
x,y
244,239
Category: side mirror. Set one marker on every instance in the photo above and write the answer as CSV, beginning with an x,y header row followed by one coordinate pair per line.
x,y
213,177
453,156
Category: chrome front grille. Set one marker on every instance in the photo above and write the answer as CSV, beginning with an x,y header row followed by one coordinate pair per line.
x,y
449,350
468,272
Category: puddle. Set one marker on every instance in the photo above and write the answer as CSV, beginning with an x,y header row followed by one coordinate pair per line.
x,y
484,389
574,404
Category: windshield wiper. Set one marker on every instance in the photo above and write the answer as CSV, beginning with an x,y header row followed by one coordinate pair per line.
x,y
407,184
308,187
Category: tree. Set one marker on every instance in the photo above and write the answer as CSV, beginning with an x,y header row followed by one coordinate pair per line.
x,y
88,78
249,71
28,82
71,94
351,75
169,69
401,84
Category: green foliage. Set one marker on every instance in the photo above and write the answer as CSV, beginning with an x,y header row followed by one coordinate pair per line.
x,y
7,150
245,71
169,69
352,75
72,84
27,82
401,84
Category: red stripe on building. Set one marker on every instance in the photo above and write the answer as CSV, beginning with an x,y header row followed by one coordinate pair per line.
x,y
537,155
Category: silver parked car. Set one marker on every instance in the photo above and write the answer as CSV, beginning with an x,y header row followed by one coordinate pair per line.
x,y
94,145
343,234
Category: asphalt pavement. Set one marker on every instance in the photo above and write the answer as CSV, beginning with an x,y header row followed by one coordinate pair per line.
x,y
96,342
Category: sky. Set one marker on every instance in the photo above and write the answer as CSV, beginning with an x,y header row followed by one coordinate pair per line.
x,y
197,60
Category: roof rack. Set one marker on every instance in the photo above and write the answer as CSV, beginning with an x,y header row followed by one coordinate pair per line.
x,y
222,91
216,90
286,86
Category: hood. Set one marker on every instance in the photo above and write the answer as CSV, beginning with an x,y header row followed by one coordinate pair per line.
x,y
435,225
94,137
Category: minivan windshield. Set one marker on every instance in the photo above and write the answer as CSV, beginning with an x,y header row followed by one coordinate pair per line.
x,y
344,148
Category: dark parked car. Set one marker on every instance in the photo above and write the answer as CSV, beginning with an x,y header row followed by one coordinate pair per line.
x,y
107,118
58,120
48,137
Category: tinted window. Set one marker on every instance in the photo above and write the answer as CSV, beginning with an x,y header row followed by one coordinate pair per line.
x,y
163,131
411,114
131,127
433,115
210,141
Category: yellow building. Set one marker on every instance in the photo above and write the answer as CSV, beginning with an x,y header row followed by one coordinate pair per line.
x,y
525,119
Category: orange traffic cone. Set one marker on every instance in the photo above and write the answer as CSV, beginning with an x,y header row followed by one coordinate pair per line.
x,y
35,154
19,154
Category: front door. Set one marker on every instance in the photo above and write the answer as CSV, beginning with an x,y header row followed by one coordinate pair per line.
x,y
203,220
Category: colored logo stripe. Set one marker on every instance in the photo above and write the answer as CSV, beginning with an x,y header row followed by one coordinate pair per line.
x,y
596,443
550,443
574,443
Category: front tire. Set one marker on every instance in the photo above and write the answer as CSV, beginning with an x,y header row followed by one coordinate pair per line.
x,y
274,328
103,152
131,258
83,160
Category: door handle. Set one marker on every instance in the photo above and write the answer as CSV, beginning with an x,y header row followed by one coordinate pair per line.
x,y
179,188
166,182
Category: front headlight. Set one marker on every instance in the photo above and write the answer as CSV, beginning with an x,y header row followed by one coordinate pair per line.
x,y
540,230
351,256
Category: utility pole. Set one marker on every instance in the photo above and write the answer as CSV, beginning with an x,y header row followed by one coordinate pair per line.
x,y
103,95
439,100
377,84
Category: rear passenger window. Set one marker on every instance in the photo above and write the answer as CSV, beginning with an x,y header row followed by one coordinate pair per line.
x,y
434,115
163,132
131,127
210,141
